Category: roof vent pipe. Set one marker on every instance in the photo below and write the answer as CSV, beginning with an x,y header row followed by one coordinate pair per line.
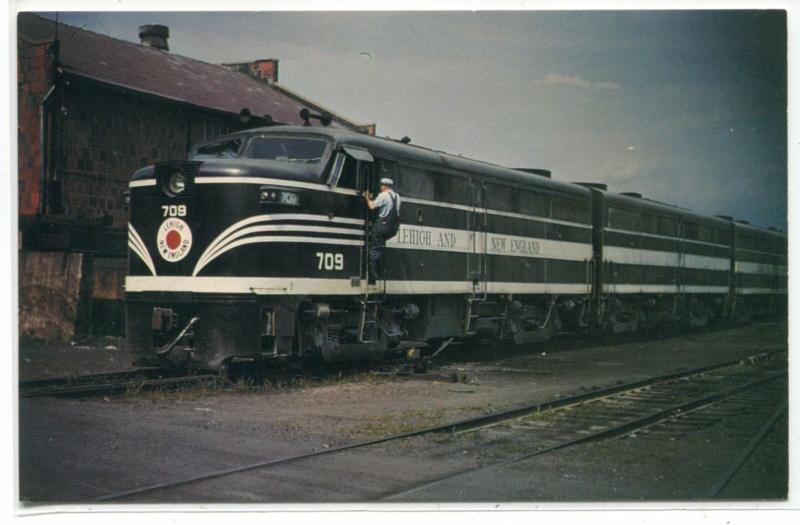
x,y
632,194
536,171
595,185
154,35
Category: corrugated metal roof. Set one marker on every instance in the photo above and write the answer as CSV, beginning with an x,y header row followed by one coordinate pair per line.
x,y
160,73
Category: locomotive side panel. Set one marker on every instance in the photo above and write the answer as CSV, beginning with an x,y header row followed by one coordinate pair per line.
x,y
760,263
660,264
506,239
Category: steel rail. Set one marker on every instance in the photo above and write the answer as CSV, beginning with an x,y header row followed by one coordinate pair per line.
x,y
619,430
720,485
85,386
43,382
465,424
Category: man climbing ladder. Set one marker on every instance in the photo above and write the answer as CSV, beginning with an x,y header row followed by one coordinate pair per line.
x,y
388,222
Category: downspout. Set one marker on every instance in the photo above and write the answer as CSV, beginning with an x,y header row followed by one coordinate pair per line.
x,y
44,146
47,125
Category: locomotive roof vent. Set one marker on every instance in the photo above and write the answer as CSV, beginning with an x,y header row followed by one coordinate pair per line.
x,y
536,171
154,35
724,217
595,185
742,221
632,194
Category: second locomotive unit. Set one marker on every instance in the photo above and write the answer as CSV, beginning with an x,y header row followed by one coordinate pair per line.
x,y
256,247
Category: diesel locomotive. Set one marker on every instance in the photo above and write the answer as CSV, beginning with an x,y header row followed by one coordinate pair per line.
x,y
255,248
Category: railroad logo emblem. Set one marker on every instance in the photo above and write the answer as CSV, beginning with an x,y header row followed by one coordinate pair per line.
x,y
174,239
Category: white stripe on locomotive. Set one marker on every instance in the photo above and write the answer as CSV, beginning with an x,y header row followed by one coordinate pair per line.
x,y
232,230
634,288
318,286
138,247
621,255
760,268
411,237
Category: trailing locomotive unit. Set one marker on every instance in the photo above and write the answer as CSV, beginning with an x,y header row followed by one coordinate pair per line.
x,y
255,247
760,278
660,265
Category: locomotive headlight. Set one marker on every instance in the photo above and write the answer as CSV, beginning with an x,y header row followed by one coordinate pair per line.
x,y
275,196
176,183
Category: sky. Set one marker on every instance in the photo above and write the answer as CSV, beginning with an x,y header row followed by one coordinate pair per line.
x,y
685,107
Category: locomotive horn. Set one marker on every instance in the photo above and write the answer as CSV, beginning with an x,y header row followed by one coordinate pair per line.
x,y
324,118
245,115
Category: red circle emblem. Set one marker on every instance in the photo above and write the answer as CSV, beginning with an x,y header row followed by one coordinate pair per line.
x,y
173,239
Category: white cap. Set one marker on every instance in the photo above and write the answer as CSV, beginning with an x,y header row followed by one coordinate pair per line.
x,y
387,182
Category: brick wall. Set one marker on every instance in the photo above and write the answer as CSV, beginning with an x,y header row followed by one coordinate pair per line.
x,y
107,136
34,72
104,136
264,69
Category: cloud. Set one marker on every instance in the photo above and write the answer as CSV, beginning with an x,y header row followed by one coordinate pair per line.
x,y
554,79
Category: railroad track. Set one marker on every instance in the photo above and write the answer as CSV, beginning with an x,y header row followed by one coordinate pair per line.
x,y
93,384
702,401
628,408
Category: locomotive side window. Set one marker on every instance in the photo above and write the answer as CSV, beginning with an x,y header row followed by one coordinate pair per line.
x,y
623,219
533,203
287,149
570,210
647,223
450,188
691,230
226,149
413,182
724,236
498,197
667,226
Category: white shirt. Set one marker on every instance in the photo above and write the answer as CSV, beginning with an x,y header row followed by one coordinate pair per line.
x,y
383,202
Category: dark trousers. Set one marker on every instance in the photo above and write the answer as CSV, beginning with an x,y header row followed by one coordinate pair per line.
x,y
377,244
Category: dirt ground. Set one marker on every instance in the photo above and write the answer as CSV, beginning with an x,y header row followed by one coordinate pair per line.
x,y
91,356
76,450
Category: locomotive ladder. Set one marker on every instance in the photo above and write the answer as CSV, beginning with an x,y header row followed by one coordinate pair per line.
x,y
368,326
477,265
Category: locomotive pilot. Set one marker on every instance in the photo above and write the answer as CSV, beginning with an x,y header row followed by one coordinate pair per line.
x,y
388,222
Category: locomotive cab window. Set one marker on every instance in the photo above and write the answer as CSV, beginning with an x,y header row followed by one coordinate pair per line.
x,y
303,150
226,149
349,177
